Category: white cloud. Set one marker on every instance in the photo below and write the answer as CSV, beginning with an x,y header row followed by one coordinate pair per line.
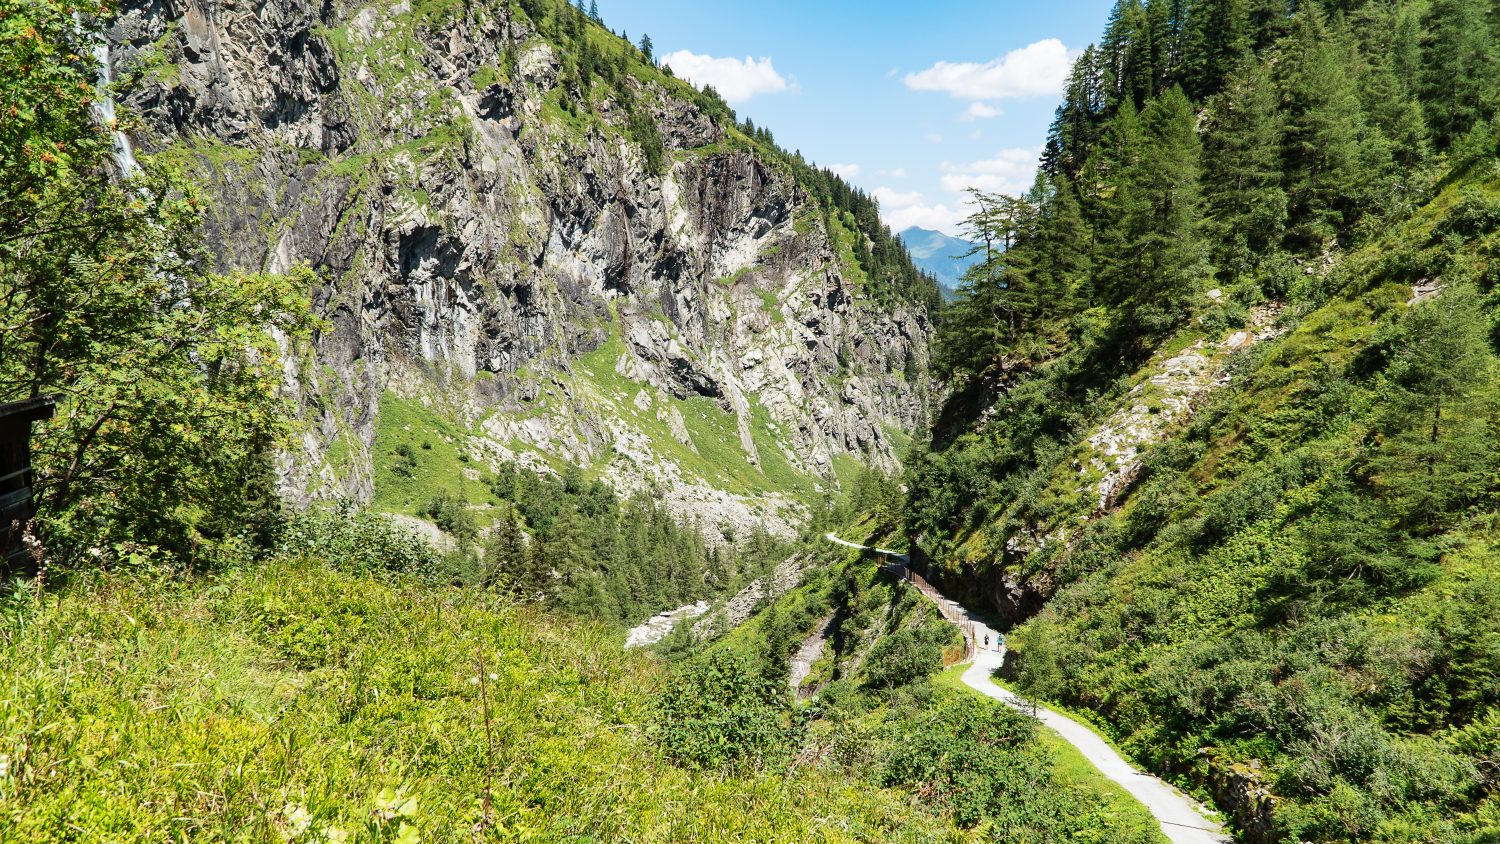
x,y
976,135
904,210
890,198
980,111
1011,171
898,173
1039,69
736,80
845,171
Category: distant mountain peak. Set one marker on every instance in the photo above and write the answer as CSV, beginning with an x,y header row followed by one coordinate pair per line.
x,y
944,256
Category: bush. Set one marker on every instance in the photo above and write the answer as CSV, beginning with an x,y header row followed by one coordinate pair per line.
x,y
966,756
451,513
358,542
721,714
901,658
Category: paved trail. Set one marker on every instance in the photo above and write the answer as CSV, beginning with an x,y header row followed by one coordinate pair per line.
x,y
1182,819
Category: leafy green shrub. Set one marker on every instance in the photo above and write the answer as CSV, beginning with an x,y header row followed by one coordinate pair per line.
x,y
406,460
357,542
1477,213
901,658
721,714
971,758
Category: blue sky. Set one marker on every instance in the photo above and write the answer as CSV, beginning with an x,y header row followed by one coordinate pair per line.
x,y
912,101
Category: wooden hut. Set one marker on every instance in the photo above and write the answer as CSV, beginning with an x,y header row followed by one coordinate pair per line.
x,y
15,476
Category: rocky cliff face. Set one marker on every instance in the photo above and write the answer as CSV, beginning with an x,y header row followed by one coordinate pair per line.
x,y
520,264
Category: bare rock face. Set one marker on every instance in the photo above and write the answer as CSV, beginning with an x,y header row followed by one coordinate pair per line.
x,y
527,270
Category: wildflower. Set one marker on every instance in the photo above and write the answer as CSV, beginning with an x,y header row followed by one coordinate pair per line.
x,y
4,766
494,677
473,681
298,820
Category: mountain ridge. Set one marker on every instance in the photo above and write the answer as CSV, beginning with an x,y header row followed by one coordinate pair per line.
x,y
946,257
487,217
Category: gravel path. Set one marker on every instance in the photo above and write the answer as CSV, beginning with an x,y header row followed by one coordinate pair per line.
x,y
1182,819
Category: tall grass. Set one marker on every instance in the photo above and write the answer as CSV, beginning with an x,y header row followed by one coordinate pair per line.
x,y
293,702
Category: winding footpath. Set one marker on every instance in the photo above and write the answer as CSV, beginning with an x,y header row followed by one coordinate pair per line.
x,y
1183,820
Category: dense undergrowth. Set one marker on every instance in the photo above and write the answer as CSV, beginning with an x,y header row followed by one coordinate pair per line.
x,y
1304,578
296,702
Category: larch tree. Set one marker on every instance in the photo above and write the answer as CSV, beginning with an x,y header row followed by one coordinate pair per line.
x,y
1246,206
1461,81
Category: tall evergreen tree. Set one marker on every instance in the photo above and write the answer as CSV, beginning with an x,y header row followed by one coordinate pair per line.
x,y
1065,248
1246,206
1216,41
1125,54
1167,238
1461,81
505,552
1389,49
1270,20
1437,425
1153,253
1075,128
1324,122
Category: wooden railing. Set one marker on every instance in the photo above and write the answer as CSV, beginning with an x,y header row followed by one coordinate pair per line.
x,y
946,608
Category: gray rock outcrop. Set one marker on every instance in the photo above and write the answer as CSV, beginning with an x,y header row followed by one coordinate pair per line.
x,y
525,270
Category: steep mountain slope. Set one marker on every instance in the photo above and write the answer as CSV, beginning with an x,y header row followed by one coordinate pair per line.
x,y
293,702
529,231
947,258
1225,463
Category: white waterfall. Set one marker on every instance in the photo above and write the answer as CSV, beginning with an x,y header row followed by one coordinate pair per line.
x,y
104,107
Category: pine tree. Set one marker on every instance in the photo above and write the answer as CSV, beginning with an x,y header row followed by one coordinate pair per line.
x,y
1108,197
1125,54
505,553
1270,20
1246,206
1321,146
1152,249
1461,83
1075,128
1065,246
1167,239
1436,425
646,47
1216,42
594,12
1164,20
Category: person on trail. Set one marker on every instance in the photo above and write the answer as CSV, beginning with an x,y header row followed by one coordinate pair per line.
x,y
986,642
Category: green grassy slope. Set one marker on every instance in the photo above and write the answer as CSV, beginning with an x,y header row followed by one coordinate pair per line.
x,y
294,703
1277,598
